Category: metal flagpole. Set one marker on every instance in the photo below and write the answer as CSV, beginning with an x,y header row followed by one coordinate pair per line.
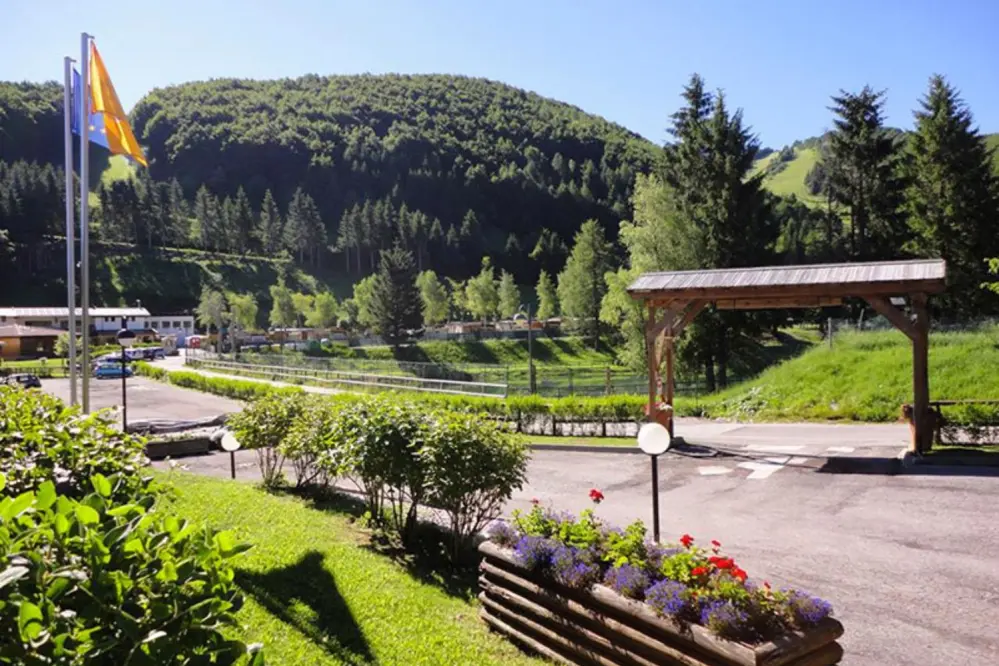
x,y
84,219
70,232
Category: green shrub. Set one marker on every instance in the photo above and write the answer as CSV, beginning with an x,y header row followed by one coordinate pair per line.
x,y
98,580
310,444
379,441
472,468
42,439
262,427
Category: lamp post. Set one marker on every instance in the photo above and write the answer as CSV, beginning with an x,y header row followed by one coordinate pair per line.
x,y
126,339
654,439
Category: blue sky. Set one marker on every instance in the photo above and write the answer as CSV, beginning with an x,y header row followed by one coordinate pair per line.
x,y
779,60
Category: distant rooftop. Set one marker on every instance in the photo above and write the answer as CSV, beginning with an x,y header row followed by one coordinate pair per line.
x,y
64,312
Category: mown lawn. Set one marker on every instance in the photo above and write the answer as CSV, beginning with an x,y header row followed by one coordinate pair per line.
x,y
866,376
318,593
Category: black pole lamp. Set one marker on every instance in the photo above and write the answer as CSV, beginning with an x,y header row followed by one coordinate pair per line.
x,y
126,339
654,439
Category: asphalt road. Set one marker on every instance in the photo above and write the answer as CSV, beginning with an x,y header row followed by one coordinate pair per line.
x,y
906,557
148,399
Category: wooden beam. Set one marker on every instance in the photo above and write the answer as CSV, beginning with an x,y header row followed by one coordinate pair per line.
x,y
884,308
922,418
778,303
688,316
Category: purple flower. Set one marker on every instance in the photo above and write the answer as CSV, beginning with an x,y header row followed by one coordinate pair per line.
x,y
534,552
502,534
656,553
806,610
573,568
668,597
724,618
627,580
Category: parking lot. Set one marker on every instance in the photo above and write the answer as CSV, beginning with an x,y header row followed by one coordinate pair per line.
x,y
148,399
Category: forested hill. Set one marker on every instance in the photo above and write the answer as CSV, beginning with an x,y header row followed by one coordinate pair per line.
x,y
440,145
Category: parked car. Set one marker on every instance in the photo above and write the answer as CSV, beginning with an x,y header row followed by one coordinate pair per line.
x,y
24,380
111,370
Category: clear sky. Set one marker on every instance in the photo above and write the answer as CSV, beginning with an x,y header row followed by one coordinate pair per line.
x,y
626,60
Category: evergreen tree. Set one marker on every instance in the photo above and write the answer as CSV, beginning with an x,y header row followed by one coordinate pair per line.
x,y
207,220
953,195
179,231
509,296
395,304
434,297
270,229
304,231
349,235
481,295
240,222
581,284
547,297
864,161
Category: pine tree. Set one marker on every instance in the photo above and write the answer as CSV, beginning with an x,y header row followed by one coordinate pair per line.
x,y
581,284
270,228
509,296
240,222
179,232
864,162
395,303
205,229
953,195
547,297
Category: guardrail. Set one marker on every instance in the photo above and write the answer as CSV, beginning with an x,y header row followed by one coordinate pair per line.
x,y
337,378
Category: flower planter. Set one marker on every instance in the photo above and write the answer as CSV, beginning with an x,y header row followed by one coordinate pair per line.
x,y
601,627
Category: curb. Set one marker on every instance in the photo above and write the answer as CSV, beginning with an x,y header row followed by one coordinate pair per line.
x,y
678,442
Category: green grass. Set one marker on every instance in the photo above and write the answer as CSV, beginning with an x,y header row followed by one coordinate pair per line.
x,y
865,377
318,593
791,179
547,351
578,441
119,168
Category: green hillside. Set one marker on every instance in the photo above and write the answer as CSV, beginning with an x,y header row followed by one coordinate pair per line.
x,y
864,377
790,179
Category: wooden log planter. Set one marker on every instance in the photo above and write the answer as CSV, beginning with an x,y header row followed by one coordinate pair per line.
x,y
599,627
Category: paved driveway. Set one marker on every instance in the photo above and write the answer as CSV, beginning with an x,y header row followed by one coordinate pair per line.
x,y
148,399
908,559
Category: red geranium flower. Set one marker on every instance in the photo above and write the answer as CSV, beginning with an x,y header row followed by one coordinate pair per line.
x,y
698,571
535,501
724,563
596,496
687,540
739,573
715,543
766,584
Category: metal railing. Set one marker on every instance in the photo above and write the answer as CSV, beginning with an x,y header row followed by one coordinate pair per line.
x,y
347,379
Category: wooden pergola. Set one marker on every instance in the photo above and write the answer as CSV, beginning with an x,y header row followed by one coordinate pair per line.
x,y
674,299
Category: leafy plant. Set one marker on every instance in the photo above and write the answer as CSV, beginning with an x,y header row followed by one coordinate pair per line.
x,y
262,426
472,467
100,580
42,439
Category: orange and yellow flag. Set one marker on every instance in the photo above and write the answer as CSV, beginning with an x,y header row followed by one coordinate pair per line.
x,y
104,102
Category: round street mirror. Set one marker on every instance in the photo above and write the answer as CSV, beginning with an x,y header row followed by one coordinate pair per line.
x,y
229,442
654,439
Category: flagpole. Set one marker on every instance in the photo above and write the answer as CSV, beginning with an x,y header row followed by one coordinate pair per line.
x,y
70,235
84,217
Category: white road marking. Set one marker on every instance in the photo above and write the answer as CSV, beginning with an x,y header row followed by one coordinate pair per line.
x,y
792,461
774,448
714,471
760,470
840,449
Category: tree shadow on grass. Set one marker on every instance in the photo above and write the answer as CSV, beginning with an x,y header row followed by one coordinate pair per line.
x,y
308,582
426,557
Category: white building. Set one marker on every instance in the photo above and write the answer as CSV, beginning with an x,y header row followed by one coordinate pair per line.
x,y
103,320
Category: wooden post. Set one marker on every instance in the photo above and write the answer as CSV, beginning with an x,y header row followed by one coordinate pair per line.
x,y
650,354
669,376
922,440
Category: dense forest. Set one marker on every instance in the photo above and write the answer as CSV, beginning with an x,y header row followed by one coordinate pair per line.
x,y
474,189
